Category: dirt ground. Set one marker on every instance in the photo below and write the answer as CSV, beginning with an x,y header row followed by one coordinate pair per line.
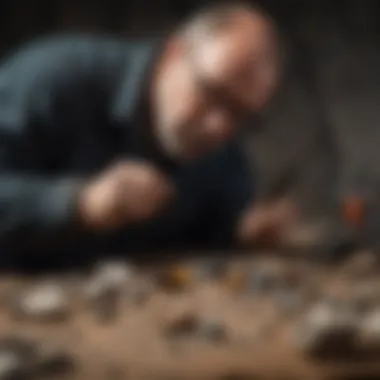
x,y
207,319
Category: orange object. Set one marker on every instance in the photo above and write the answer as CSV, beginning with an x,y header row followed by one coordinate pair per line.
x,y
354,211
175,277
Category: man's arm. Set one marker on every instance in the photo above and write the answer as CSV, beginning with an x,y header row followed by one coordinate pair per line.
x,y
232,190
33,203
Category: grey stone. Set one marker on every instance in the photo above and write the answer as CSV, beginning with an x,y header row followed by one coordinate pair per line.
x,y
105,290
104,301
116,273
17,356
45,302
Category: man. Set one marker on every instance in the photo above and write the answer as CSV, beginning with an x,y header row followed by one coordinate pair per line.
x,y
111,145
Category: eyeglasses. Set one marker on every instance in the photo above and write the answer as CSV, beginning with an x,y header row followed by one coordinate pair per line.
x,y
216,95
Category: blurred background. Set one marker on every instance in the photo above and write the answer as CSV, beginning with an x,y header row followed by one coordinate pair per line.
x,y
320,140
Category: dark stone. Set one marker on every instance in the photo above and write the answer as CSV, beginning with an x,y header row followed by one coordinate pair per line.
x,y
325,334
54,360
12,367
17,357
185,326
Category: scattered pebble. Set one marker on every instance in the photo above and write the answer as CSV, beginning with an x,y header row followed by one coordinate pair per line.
x,y
184,326
115,273
17,358
106,288
54,360
12,366
263,280
104,300
326,334
46,302
192,326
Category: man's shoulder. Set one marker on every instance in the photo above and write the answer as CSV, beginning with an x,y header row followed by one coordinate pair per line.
x,y
68,46
73,51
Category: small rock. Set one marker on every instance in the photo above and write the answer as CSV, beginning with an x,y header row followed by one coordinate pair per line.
x,y
326,334
186,325
45,302
115,273
12,367
192,326
105,289
17,357
104,300
266,279
54,360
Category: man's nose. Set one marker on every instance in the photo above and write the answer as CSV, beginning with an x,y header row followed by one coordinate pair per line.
x,y
218,127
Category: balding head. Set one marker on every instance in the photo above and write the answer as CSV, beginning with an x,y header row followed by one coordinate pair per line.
x,y
220,18
221,65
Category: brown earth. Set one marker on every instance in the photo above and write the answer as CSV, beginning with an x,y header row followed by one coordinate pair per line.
x,y
156,333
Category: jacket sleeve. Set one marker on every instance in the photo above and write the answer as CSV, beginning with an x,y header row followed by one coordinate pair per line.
x,y
233,188
33,203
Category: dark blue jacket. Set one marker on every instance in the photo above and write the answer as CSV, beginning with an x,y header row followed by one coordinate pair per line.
x,y
69,106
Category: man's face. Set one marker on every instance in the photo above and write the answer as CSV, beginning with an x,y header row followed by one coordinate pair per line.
x,y
204,94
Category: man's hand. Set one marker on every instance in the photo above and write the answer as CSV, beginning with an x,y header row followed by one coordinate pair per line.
x,y
266,224
125,193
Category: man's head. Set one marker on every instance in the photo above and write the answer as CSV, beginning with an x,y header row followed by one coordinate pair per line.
x,y
220,67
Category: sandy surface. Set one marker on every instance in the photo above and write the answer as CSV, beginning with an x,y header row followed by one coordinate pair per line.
x,y
135,344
